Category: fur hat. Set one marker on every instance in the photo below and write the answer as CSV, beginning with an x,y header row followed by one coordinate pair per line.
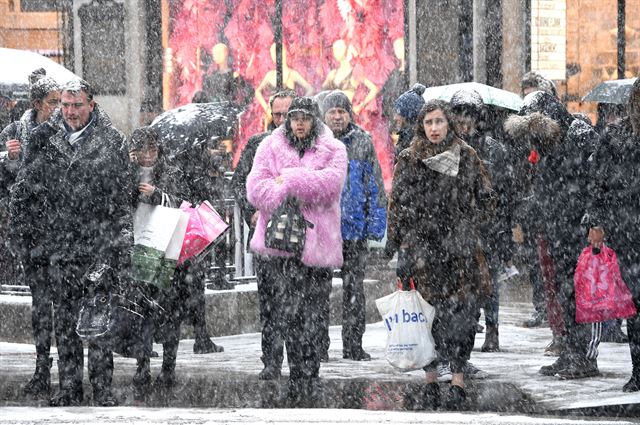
x,y
409,103
337,99
536,129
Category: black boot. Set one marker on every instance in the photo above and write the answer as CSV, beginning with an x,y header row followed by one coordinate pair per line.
x,y
40,383
269,373
634,383
204,345
431,396
491,343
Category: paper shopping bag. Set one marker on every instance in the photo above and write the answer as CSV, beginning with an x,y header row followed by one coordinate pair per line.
x,y
158,235
205,227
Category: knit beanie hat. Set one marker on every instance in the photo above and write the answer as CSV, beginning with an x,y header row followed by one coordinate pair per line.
x,y
409,103
306,105
337,99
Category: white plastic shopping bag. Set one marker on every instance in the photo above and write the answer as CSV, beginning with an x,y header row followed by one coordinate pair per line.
x,y
408,319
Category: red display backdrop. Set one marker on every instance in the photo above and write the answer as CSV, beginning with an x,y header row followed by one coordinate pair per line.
x,y
327,44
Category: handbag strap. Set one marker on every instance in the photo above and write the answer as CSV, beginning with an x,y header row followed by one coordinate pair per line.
x,y
412,284
166,201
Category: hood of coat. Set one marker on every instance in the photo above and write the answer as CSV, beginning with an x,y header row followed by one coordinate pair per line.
x,y
549,105
536,130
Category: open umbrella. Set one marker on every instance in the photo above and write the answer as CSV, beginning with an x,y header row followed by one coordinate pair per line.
x,y
613,91
18,64
190,125
490,95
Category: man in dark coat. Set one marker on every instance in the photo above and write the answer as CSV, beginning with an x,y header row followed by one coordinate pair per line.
x,y
363,216
614,211
45,98
560,189
270,291
467,107
76,171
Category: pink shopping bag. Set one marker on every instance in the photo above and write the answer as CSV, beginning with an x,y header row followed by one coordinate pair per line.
x,y
205,226
601,294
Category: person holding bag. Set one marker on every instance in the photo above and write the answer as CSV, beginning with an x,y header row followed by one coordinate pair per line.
x,y
441,195
613,210
303,166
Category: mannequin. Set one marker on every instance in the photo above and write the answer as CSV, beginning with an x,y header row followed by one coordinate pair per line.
x,y
341,78
396,83
290,79
225,84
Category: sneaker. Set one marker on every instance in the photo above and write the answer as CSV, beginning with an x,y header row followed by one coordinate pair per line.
x,y
444,372
555,347
536,320
269,373
472,372
206,346
578,370
66,398
456,398
431,396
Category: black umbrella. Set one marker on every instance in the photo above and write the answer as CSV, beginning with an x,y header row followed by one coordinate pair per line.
x,y
613,91
191,125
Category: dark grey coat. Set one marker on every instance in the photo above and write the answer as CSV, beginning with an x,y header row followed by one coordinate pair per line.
x,y
73,204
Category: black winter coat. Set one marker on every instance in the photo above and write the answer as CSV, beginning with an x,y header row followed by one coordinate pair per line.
x,y
615,204
73,203
499,162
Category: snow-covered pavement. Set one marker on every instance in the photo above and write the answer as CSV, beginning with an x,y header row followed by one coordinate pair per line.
x,y
207,380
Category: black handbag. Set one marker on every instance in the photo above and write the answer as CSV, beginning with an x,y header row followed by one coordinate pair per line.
x,y
287,227
110,318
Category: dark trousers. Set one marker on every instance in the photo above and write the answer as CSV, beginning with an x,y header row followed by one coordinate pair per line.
x,y
271,291
306,295
37,276
66,279
454,331
353,301
191,277
531,257
491,304
578,335
633,332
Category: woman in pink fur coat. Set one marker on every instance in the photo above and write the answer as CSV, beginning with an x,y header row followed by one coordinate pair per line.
x,y
301,160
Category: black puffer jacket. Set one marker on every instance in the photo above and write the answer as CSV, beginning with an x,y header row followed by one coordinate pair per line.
x,y
73,204
616,200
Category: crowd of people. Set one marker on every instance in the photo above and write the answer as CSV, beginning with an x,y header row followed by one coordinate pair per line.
x,y
469,193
